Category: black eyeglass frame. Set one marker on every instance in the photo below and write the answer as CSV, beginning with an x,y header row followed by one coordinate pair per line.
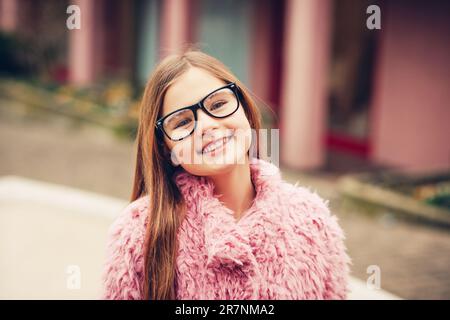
x,y
200,105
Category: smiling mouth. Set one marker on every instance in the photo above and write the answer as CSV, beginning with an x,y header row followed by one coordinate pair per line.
x,y
216,145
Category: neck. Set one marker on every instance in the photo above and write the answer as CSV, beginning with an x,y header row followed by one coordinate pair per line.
x,y
235,188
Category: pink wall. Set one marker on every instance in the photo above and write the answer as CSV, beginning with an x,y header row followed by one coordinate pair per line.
x,y
411,109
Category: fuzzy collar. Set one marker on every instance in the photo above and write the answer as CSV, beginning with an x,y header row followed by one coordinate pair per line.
x,y
226,240
263,174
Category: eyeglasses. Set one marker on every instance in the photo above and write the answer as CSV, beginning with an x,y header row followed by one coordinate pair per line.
x,y
181,123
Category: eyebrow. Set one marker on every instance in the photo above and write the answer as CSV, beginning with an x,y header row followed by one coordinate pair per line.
x,y
175,116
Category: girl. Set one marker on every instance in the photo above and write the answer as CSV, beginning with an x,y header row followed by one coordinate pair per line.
x,y
198,228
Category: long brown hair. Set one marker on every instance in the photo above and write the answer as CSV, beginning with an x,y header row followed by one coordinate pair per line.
x,y
154,170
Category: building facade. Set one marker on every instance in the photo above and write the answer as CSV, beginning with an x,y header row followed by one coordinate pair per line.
x,y
333,84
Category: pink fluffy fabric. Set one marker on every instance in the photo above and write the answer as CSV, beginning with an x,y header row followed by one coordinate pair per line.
x,y
286,246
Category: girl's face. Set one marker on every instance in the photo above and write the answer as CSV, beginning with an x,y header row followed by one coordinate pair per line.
x,y
216,145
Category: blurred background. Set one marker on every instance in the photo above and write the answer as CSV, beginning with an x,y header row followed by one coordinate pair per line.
x,y
363,117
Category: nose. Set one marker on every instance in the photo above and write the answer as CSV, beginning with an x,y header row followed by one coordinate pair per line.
x,y
205,124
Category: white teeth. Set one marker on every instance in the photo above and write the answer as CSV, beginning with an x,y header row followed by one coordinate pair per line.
x,y
217,144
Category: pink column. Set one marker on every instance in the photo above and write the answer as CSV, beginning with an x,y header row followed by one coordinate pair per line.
x,y
9,15
82,54
175,26
305,75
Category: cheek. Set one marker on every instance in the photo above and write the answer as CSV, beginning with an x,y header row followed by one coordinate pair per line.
x,y
179,151
241,119
243,129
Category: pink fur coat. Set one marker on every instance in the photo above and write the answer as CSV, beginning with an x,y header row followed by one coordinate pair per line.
x,y
286,246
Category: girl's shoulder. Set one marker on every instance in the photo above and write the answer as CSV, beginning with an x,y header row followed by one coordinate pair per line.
x,y
306,207
311,219
135,213
302,195
268,176
122,272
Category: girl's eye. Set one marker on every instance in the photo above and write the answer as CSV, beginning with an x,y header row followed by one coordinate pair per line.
x,y
182,123
217,105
